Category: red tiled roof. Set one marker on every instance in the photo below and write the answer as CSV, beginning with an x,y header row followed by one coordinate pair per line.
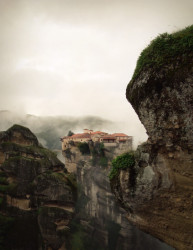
x,y
100,133
119,135
97,132
83,135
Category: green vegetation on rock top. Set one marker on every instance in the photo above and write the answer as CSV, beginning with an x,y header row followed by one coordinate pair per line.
x,y
124,161
19,128
10,134
164,49
23,130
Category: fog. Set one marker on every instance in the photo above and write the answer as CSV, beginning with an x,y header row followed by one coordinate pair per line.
x,y
75,58
50,129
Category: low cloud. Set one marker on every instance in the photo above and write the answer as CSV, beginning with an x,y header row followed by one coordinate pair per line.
x,y
50,129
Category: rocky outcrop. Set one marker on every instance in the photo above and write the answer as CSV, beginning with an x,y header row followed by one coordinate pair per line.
x,y
161,93
99,223
34,183
97,153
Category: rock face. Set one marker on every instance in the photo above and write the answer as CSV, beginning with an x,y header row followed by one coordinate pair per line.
x,y
162,96
97,214
99,223
34,183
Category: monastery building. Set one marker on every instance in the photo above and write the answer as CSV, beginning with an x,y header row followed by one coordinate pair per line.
x,y
109,140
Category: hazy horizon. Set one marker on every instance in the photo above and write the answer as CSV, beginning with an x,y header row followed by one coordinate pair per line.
x,y
49,129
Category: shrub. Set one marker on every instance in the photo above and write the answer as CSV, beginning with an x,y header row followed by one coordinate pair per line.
x,y
70,133
84,148
124,161
164,49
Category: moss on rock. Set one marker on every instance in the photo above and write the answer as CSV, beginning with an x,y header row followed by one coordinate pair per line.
x,y
20,135
164,49
168,58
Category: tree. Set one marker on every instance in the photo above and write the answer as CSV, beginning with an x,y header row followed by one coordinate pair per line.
x,y
70,133
84,148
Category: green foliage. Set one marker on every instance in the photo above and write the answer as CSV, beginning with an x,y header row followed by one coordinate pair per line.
x,y
84,148
11,147
17,150
98,149
43,152
67,178
18,128
70,133
164,49
60,177
98,155
124,161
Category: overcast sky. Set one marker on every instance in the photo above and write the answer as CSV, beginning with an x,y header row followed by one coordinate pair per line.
x,y
75,57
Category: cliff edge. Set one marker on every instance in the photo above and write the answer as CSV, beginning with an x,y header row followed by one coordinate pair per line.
x,y
161,93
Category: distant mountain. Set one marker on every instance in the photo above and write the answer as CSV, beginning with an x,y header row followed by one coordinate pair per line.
x,y
49,129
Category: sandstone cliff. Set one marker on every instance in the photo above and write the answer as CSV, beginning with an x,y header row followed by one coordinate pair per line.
x,y
35,187
161,92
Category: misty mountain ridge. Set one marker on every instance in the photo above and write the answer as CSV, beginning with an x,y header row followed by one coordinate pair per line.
x,y
49,129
